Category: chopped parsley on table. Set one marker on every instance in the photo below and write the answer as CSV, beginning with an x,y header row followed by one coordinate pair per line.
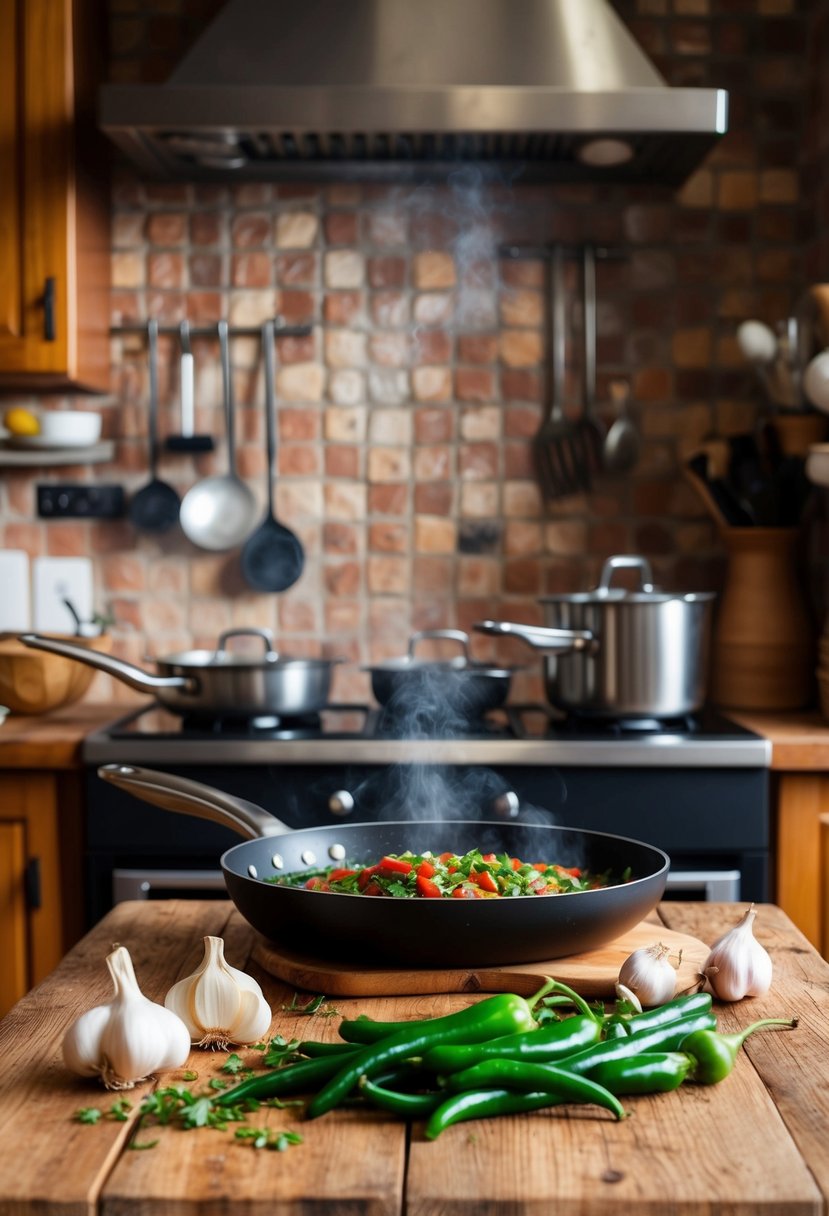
x,y
474,875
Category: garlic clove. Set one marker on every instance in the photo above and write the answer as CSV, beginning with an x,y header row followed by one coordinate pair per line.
x,y
218,1003
737,965
81,1043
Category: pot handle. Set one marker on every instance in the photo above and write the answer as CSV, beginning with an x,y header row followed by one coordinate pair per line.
x,y
552,641
626,562
135,677
447,635
264,634
173,793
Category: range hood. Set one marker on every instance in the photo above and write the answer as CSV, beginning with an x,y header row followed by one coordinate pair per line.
x,y
408,90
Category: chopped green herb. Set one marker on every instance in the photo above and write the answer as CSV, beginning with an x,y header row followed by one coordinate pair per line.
x,y
261,1137
190,1076
233,1064
118,1110
140,1147
281,1051
88,1114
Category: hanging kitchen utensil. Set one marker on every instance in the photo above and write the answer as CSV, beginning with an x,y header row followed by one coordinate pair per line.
x,y
219,512
622,444
155,508
273,558
429,932
589,432
187,441
555,443
220,682
619,654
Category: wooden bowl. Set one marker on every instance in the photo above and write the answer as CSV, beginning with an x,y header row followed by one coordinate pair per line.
x,y
33,682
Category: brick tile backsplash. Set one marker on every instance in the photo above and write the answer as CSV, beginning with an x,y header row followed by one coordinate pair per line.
x,y
406,419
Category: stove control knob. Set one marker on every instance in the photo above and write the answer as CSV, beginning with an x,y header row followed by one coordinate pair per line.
x,y
341,803
506,805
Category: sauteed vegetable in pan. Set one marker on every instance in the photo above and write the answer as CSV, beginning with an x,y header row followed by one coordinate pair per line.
x,y
475,875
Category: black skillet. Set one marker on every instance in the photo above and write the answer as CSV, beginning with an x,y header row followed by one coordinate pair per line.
x,y
413,932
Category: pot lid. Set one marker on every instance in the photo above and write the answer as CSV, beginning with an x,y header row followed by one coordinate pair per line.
x,y
461,663
243,660
645,593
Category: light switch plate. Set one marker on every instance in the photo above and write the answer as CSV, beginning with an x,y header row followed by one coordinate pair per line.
x,y
55,579
15,596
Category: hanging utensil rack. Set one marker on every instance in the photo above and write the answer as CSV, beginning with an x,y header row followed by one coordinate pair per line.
x,y
281,330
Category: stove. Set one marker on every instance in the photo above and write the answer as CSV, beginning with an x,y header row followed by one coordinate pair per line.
x,y
696,787
345,734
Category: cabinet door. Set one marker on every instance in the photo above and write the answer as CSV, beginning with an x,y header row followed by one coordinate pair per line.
x,y
35,161
14,972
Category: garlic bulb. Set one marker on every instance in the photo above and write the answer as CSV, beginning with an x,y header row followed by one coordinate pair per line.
x,y
218,1004
649,975
130,1038
737,965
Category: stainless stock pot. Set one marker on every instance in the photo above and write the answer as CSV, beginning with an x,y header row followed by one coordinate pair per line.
x,y
618,653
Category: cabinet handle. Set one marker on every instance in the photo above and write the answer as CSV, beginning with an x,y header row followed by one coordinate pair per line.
x,y
31,883
49,309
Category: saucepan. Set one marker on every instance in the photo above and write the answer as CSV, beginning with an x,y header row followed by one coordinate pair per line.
x,y
413,932
217,682
459,686
619,654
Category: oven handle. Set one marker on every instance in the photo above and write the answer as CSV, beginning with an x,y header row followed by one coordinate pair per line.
x,y
718,886
138,884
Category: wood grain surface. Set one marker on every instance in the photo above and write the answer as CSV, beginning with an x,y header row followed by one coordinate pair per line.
x,y
593,974
754,1144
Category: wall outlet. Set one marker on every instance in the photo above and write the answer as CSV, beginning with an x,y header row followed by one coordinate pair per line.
x,y
80,502
55,580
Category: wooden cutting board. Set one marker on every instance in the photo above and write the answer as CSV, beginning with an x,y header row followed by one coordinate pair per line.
x,y
592,975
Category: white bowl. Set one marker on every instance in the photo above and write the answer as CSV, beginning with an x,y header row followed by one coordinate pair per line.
x,y
67,428
817,464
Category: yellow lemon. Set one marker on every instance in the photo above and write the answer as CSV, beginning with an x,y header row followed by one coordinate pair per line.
x,y
21,422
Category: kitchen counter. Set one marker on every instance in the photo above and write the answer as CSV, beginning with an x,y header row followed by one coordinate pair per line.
x,y
800,740
754,1143
53,740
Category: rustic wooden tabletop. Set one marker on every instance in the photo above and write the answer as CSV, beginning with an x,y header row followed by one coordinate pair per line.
x,y
757,1142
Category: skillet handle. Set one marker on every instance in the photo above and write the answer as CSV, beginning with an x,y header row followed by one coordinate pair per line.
x,y
135,677
551,641
187,797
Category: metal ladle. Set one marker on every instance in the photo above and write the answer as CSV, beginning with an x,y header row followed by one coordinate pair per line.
x,y
219,512
273,558
622,444
155,508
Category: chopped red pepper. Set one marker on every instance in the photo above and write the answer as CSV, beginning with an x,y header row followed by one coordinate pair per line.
x,y
466,893
488,857
427,888
365,876
373,888
394,865
317,884
486,882
425,869
336,875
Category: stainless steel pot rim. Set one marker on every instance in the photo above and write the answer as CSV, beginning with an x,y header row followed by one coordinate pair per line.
x,y
459,667
619,596
238,660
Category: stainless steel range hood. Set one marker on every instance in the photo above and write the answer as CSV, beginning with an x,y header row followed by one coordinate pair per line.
x,y
408,89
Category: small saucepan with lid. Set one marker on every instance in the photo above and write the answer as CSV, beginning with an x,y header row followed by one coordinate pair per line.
x,y
458,686
614,653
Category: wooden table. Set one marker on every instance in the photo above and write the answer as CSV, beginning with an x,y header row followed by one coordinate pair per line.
x,y
755,1143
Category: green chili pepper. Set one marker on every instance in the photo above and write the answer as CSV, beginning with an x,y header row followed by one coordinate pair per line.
x,y
533,1078
713,1055
680,1007
295,1079
648,1073
483,1105
615,1028
660,1038
364,1029
411,1106
506,1013
310,1047
547,1043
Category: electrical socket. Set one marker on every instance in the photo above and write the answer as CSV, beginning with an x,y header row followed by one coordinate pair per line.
x,y
80,502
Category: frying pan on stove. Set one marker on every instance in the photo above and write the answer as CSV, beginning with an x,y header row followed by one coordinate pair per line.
x,y
412,932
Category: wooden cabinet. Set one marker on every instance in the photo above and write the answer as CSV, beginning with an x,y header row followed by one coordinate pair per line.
x,y
802,878
54,198
40,876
